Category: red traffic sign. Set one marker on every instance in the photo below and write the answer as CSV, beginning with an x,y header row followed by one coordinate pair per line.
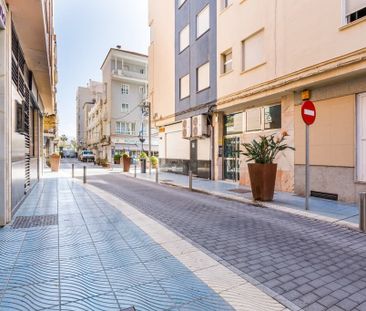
x,y
308,112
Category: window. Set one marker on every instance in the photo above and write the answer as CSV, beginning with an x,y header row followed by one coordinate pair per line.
x,y
125,89
253,120
180,3
142,90
203,21
184,38
184,89
124,108
355,9
203,77
126,128
226,3
19,117
227,61
253,51
271,118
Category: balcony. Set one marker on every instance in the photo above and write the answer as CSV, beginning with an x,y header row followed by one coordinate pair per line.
x,y
130,74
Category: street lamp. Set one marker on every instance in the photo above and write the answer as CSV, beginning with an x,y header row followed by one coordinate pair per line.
x,y
146,110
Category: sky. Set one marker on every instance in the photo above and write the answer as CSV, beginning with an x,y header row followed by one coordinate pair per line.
x,y
86,30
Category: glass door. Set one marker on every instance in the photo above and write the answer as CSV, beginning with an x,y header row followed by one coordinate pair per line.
x,y
232,158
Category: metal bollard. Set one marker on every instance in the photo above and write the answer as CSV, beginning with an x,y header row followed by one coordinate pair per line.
x,y
157,175
363,211
135,174
73,170
190,180
84,174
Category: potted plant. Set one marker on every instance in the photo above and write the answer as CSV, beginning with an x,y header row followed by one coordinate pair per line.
x,y
154,161
143,157
117,158
126,162
55,162
263,171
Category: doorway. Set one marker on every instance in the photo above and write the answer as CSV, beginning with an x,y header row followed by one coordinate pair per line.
x,y
232,158
361,137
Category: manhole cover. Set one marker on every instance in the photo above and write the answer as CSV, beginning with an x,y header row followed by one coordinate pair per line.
x,y
34,221
239,190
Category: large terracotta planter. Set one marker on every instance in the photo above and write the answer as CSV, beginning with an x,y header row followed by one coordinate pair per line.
x,y
126,164
262,180
55,162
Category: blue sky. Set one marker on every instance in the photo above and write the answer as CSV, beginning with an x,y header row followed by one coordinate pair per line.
x,y
85,30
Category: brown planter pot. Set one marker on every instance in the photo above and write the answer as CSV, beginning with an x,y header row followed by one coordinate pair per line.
x,y
126,164
55,163
262,180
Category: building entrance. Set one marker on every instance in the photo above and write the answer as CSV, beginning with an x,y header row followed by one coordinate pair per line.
x,y
232,158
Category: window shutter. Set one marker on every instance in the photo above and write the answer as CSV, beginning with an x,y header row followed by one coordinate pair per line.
x,y
353,6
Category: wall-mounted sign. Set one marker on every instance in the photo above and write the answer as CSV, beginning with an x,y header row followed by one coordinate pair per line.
x,y
2,17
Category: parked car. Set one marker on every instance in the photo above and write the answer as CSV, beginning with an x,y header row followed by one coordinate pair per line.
x,y
87,156
69,153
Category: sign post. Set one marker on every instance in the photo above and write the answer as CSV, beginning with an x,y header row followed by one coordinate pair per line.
x,y
308,113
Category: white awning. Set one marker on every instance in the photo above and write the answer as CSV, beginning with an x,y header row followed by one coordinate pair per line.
x,y
354,6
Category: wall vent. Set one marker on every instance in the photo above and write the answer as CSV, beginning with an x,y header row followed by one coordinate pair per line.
x,y
324,195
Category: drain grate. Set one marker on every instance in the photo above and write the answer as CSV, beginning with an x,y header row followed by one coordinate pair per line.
x,y
21,222
167,180
240,190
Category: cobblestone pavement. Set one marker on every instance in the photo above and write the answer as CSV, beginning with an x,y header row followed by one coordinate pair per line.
x,y
68,249
315,265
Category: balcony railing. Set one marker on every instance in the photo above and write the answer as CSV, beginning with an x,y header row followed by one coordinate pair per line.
x,y
129,74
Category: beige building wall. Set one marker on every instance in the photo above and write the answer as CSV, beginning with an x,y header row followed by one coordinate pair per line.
x,y
298,51
161,61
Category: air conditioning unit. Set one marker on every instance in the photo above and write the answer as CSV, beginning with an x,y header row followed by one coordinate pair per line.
x,y
199,126
186,128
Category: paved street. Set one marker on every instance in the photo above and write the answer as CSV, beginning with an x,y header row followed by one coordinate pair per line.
x,y
315,265
68,249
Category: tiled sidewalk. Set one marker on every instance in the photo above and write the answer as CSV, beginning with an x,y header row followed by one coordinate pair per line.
x,y
337,211
91,258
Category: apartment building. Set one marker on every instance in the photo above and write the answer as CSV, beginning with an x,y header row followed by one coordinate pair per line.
x,y
125,76
27,93
268,56
185,142
86,97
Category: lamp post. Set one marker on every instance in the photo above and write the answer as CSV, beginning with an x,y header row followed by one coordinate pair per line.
x,y
146,110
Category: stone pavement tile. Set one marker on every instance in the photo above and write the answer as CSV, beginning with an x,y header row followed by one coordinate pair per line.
x,y
32,274
209,303
84,286
146,297
33,297
347,304
118,259
97,303
315,307
36,256
129,276
80,265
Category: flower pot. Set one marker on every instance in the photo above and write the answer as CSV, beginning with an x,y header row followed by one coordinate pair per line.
x,y
55,162
262,180
126,164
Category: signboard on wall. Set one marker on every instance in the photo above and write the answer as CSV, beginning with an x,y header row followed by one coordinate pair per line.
x,y
2,17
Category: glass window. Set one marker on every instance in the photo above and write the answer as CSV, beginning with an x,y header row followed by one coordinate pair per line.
x,y
272,117
253,117
124,108
227,62
233,123
253,51
184,38
226,3
203,77
184,89
125,89
180,3
203,21
355,9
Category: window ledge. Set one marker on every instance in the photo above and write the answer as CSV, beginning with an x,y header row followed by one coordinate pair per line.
x,y
253,68
226,73
356,22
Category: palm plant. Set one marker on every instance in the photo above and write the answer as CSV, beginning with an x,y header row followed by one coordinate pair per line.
x,y
266,148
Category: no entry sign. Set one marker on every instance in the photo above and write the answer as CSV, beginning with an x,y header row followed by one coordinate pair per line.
x,y
308,112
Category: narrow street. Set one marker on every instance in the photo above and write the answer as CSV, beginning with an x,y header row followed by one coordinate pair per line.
x,y
312,264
